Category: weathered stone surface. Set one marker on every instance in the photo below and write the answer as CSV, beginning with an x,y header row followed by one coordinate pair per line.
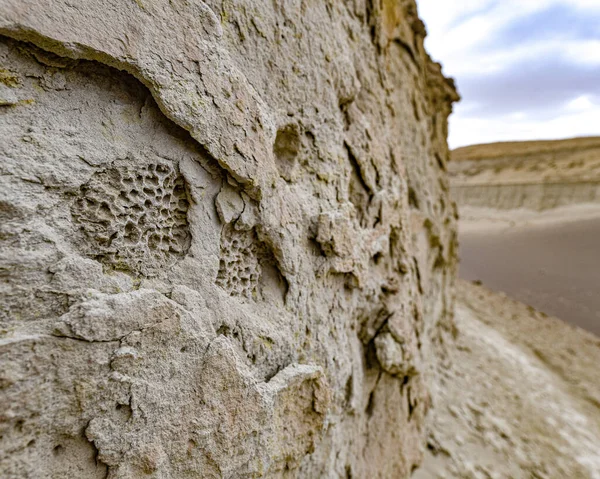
x,y
227,244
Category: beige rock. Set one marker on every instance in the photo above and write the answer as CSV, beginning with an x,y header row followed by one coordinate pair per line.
x,y
211,211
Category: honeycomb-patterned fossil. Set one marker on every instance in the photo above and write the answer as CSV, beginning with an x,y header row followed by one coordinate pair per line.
x,y
248,267
239,269
135,219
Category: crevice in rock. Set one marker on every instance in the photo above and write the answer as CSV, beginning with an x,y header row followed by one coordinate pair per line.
x,y
96,453
286,149
358,170
408,49
49,51
360,193
413,199
370,409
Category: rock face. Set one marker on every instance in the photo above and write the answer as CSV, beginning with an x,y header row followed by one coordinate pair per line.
x,y
228,248
536,175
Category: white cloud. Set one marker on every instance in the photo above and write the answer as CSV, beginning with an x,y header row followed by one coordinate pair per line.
x,y
456,63
467,131
441,14
452,34
464,36
587,52
457,44
588,5
581,103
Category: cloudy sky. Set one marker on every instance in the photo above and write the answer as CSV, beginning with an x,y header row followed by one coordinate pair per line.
x,y
526,69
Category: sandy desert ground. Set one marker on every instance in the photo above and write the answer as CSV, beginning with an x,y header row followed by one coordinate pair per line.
x,y
519,397
530,222
553,266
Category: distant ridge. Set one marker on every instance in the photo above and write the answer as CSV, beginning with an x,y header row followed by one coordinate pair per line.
x,y
535,175
490,151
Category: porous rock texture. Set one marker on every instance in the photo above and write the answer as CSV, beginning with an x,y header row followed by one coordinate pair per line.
x,y
227,246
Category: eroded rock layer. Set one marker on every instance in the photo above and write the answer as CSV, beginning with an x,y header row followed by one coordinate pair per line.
x,y
227,245
534,175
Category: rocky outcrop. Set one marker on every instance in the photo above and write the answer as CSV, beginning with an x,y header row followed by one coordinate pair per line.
x,y
532,196
228,248
535,175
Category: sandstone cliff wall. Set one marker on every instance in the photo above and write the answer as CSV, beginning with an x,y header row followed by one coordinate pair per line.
x,y
533,196
227,243
536,175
